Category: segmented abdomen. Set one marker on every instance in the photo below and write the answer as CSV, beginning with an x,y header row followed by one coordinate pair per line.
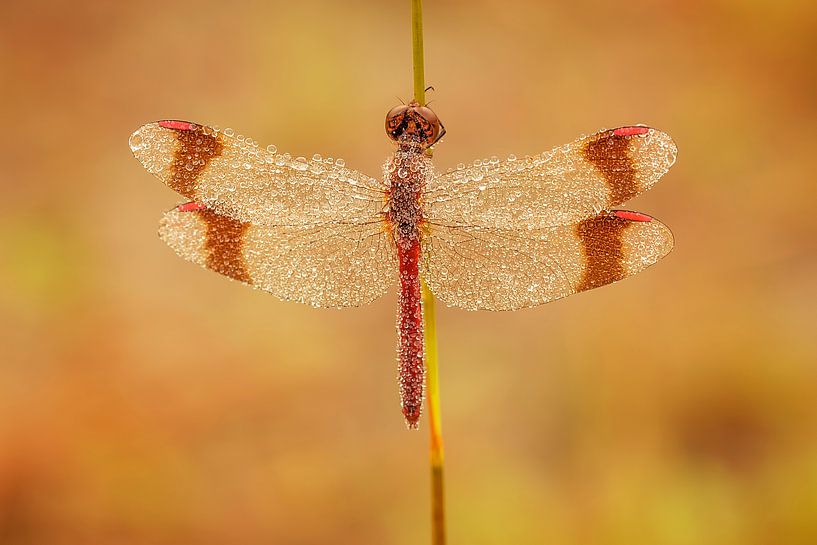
x,y
410,349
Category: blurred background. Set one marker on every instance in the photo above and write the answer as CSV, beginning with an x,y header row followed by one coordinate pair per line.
x,y
144,400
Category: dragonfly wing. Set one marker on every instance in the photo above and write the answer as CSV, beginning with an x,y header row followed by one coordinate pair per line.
x,y
558,187
485,268
329,265
233,176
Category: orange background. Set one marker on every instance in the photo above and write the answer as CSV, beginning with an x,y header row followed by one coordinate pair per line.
x,y
146,401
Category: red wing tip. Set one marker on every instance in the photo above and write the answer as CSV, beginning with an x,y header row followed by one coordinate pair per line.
x,y
632,216
631,131
190,207
177,125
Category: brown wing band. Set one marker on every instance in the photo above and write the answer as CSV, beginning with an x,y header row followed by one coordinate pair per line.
x,y
603,250
223,244
195,151
608,152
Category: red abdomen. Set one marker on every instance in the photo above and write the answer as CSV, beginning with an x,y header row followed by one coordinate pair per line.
x,y
410,348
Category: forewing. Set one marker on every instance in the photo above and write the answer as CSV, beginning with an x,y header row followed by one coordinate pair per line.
x,y
233,176
559,187
329,265
486,268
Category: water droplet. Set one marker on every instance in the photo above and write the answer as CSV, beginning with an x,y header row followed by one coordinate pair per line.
x,y
136,141
271,148
340,162
299,163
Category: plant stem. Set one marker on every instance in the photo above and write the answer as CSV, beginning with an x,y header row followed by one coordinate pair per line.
x,y
418,59
436,445
430,322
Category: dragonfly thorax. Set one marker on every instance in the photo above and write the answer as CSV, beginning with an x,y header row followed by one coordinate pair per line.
x,y
406,173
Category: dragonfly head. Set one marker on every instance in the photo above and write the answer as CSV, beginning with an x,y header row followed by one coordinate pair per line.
x,y
414,122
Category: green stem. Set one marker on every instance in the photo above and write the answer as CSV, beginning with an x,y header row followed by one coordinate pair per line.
x,y
430,320
418,59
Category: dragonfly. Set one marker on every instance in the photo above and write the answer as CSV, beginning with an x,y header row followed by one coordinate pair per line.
x,y
493,235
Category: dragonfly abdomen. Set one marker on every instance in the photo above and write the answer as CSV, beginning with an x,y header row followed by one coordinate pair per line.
x,y
410,347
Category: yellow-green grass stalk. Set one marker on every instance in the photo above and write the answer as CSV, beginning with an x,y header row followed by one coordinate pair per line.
x,y
430,322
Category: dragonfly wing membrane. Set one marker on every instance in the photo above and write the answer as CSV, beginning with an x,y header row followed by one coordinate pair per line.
x,y
233,176
330,265
558,187
485,268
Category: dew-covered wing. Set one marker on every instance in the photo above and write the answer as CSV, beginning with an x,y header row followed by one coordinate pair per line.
x,y
558,187
486,268
233,176
330,265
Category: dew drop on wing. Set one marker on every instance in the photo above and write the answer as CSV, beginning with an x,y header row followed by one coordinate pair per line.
x,y
299,164
137,142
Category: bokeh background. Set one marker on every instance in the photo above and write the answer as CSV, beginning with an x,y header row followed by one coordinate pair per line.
x,y
146,401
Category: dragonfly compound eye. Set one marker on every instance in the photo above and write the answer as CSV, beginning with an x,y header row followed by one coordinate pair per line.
x,y
414,123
